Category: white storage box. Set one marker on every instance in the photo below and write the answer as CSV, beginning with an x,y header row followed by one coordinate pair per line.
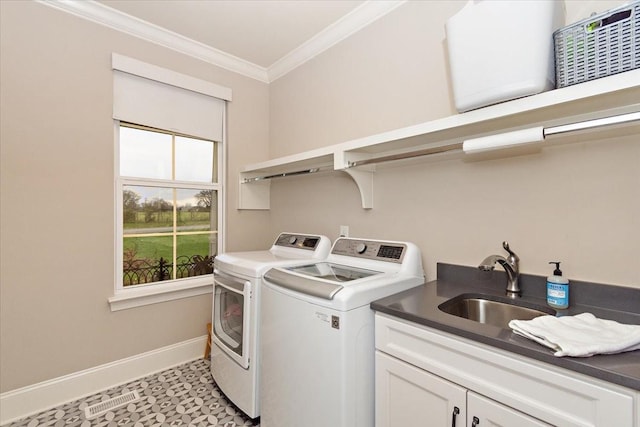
x,y
501,50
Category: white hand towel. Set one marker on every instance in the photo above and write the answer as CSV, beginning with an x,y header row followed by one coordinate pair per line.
x,y
582,335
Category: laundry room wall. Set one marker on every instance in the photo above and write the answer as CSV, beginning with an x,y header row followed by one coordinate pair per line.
x,y
576,203
57,166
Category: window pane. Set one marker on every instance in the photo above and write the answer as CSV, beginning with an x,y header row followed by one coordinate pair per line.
x,y
195,209
147,209
145,154
147,259
168,232
194,160
193,255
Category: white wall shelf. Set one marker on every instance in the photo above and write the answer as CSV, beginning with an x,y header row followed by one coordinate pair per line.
x,y
611,96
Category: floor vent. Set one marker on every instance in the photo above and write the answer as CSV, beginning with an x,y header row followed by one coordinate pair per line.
x,y
98,409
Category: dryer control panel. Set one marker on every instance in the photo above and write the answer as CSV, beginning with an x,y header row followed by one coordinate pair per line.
x,y
298,241
370,249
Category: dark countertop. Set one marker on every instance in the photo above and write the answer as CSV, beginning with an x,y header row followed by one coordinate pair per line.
x,y
622,304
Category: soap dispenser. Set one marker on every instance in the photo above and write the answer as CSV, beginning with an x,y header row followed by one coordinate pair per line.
x,y
557,289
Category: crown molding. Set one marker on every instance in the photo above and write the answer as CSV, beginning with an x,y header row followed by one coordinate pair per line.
x,y
357,19
112,18
351,23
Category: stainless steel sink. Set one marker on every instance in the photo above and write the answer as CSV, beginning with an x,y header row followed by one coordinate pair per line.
x,y
492,310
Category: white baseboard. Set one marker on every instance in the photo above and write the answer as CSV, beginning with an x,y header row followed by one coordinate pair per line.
x,y
26,401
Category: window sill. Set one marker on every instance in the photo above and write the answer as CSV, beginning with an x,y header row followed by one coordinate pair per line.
x,y
153,294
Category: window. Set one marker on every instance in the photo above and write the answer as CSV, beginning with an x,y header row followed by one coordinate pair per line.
x,y
169,146
169,194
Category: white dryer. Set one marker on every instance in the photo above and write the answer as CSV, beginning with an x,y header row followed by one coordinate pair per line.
x,y
236,312
317,347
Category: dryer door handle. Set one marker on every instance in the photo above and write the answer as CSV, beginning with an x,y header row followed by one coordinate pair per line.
x,y
231,284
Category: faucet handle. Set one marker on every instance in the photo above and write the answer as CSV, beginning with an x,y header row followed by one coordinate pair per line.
x,y
505,245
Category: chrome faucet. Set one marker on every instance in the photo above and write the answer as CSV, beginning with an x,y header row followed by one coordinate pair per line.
x,y
510,265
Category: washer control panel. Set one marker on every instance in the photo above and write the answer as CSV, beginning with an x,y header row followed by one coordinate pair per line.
x,y
298,241
370,249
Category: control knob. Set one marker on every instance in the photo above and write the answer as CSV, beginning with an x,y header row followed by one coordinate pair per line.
x,y
361,248
293,240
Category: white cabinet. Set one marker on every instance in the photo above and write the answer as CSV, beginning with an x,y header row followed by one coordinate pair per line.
x,y
406,395
421,372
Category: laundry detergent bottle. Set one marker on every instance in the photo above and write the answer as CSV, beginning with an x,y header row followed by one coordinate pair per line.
x,y
557,289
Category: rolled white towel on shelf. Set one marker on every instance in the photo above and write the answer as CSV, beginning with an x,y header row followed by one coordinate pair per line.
x,y
504,140
582,335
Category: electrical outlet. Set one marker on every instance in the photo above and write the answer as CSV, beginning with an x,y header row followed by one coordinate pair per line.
x,y
344,231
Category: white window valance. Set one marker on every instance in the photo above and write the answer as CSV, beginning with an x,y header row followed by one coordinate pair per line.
x,y
153,96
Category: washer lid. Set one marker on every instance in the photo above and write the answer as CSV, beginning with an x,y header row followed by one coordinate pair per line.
x,y
321,280
333,272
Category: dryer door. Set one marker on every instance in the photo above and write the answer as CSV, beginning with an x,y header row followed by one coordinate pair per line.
x,y
231,315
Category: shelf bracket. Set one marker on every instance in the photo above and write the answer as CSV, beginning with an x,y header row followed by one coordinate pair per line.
x,y
364,181
362,176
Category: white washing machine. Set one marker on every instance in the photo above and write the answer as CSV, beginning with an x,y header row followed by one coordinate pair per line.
x,y
236,312
317,332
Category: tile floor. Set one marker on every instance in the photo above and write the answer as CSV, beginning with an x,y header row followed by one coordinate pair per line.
x,y
182,396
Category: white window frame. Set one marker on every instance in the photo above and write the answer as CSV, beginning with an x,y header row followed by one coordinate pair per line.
x,y
130,77
156,292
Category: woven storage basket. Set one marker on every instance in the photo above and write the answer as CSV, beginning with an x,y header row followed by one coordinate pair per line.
x,y
599,46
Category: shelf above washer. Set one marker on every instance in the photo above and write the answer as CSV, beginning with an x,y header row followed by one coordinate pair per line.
x,y
608,99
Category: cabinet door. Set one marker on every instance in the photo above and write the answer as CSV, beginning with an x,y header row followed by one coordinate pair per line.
x,y
408,396
483,412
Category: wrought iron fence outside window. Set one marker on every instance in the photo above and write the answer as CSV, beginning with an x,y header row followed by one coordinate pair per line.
x,y
141,271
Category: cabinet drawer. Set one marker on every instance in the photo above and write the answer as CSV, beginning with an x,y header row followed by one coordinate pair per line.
x,y
486,412
551,394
